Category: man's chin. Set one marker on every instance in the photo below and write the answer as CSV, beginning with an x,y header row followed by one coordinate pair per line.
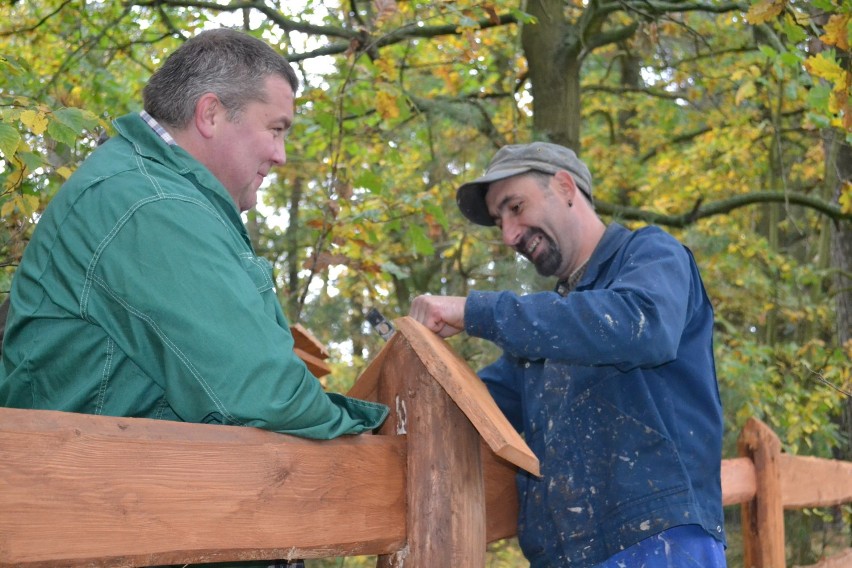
x,y
545,266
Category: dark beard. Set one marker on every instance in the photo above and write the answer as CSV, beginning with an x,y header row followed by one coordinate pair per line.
x,y
549,261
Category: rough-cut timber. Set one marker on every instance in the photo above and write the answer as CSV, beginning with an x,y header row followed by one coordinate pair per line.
x,y
461,384
763,517
102,491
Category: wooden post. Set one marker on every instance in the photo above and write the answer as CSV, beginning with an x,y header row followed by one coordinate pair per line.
x,y
446,496
763,516
462,452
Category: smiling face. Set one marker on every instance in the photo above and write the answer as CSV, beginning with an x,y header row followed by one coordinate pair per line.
x,y
248,146
537,221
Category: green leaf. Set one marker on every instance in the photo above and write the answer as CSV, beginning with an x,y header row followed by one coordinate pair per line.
x,y
768,51
73,118
791,59
370,181
9,140
32,160
62,132
438,212
422,244
398,271
793,31
818,97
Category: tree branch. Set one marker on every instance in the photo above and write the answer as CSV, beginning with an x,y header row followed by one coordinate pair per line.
x,y
362,37
701,211
654,7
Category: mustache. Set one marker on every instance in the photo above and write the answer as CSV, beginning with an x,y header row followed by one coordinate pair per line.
x,y
523,244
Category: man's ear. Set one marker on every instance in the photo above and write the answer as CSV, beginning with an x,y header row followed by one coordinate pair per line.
x,y
565,185
208,111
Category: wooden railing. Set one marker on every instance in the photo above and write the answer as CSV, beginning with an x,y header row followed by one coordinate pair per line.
x,y
432,488
766,481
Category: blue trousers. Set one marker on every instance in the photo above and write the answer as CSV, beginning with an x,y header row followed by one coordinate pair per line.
x,y
686,546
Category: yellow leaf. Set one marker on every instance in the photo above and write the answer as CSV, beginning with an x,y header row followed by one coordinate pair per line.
x,y
8,207
746,91
30,204
35,121
764,11
837,31
64,171
387,105
845,200
386,67
824,68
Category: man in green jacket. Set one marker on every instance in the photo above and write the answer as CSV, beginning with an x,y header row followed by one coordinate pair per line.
x,y
140,294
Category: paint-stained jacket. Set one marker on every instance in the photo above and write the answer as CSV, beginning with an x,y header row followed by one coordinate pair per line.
x,y
614,388
140,295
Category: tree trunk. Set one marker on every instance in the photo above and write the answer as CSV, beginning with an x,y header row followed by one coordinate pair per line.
x,y
554,73
838,176
292,247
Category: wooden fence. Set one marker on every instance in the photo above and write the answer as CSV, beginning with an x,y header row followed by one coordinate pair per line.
x,y
766,481
432,488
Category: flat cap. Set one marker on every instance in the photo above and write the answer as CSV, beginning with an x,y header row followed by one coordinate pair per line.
x,y
516,159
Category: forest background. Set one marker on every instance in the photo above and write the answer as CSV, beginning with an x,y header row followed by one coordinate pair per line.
x,y
729,124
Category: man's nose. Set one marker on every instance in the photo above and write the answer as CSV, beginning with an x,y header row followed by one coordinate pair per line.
x,y
511,232
280,156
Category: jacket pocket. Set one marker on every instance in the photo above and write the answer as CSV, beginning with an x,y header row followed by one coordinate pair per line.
x,y
609,461
259,270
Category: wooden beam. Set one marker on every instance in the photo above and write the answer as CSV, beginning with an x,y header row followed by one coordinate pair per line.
x,y
81,490
445,495
840,560
763,517
501,496
316,366
305,340
469,393
739,484
800,489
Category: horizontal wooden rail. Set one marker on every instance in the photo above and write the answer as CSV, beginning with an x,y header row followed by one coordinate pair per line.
x,y
805,481
102,491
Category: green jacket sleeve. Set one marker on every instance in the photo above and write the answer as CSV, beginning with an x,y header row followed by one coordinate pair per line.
x,y
183,295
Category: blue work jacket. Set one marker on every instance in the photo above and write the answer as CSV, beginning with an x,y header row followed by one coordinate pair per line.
x,y
613,386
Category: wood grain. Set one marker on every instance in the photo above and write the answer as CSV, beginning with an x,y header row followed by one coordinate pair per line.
x,y
101,491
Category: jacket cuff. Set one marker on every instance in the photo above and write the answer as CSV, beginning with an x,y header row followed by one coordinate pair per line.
x,y
478,318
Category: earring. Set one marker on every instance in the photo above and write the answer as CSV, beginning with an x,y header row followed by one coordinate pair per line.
x,y
570,204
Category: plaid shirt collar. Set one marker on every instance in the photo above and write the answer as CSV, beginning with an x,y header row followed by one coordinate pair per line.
x,y
563,287
161,132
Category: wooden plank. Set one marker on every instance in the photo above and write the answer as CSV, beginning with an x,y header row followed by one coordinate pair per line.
x,y
304,340
798,486
446,497
469,393
739,484
315,365
87,490
501,496
763,517
366,386
841,560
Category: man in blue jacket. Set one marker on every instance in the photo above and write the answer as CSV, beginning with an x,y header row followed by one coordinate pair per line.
x,y
610,377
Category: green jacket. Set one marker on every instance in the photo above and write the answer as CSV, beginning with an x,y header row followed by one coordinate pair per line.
x,y
140,295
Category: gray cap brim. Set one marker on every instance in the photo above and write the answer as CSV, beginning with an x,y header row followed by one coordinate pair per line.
x,y
470,197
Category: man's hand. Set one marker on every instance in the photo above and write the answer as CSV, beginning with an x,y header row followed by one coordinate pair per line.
x,y
442,314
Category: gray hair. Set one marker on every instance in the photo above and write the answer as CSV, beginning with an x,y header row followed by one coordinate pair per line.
x,y
228,63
